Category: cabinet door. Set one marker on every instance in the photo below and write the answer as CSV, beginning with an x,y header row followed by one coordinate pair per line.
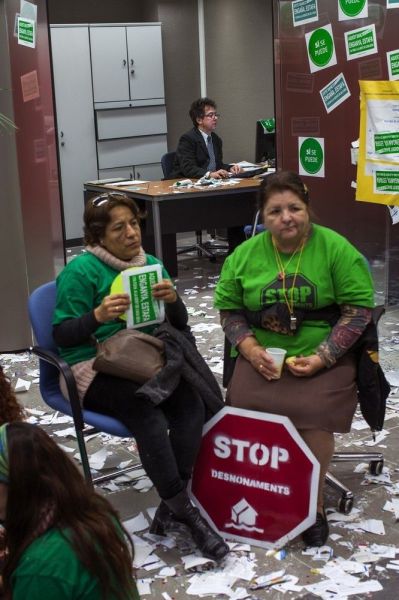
x,y
109,64
144,45
151,172
75,120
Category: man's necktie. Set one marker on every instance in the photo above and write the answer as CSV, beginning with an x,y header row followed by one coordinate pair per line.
x,y
212,160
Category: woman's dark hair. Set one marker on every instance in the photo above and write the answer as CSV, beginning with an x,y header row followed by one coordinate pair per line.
x,y
97,214
282,181
10,409
41,475
197,109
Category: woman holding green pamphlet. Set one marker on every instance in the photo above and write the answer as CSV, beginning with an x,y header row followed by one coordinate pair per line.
x,y
168,431
64,541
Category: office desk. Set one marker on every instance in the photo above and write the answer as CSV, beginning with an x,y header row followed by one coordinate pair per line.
x,y
170,210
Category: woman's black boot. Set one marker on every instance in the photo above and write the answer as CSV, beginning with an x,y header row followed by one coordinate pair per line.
x,y
163,521
208,541
317,534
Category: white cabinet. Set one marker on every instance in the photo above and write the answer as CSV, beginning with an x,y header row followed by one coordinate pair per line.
x,y
75,120
110,105
127,65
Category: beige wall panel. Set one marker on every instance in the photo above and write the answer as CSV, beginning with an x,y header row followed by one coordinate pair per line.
x,y
239,64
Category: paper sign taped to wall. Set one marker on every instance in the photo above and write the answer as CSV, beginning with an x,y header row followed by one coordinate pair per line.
x,y
30,86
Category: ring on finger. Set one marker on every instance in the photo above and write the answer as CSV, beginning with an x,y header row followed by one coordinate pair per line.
x,y
260,367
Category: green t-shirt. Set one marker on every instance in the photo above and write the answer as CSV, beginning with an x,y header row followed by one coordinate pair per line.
x,y
81,286
49,569
331,270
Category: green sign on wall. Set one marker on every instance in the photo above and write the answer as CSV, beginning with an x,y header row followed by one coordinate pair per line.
x,y
321,49
311,156
360,42
393,64
26,32
352,9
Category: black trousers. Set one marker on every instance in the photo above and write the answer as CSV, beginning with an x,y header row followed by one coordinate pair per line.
x,y
168,436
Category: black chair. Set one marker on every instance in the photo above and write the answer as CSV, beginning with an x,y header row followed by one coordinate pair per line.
x,y
207,248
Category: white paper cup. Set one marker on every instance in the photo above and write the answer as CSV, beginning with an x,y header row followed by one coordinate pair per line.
x,y
278,356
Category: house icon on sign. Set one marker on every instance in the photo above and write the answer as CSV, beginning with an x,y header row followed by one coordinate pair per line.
x,y
243,513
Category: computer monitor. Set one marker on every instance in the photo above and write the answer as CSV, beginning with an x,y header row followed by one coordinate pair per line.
x,y
265,144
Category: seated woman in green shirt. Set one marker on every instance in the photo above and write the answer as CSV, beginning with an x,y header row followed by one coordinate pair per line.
x,y
64,541
268,294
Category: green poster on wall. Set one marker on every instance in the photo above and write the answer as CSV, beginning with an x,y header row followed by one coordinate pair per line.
x,y
321,48
360,42
352,9
393,64
26,32
311,156
304,11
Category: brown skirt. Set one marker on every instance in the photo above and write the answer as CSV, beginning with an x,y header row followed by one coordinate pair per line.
x,y
327,400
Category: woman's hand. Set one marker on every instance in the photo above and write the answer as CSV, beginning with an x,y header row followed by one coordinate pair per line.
x,y
256,354
305,366
112,307
164,291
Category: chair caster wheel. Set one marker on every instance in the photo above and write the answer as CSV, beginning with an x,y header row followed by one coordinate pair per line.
x,y
375,467
345,505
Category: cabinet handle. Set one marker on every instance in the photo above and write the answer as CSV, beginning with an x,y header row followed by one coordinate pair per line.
x,y
132,71
62,143
131,61
124,62
61,134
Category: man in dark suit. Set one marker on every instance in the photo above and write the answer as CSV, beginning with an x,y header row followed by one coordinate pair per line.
x,y
199,152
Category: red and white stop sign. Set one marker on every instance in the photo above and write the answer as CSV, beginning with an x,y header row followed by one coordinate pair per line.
x,y
255,480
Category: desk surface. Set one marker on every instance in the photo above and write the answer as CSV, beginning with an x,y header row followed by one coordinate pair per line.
x,y
164,190
172,210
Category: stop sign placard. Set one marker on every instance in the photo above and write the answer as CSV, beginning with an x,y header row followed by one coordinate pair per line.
x,y
255,480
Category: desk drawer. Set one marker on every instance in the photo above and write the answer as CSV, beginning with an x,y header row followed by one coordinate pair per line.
x,y
131,151
128,122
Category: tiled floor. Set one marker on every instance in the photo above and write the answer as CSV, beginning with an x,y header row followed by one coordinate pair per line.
x,y
197,278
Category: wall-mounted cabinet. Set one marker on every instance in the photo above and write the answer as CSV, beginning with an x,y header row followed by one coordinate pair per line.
x,y
127,65
110,105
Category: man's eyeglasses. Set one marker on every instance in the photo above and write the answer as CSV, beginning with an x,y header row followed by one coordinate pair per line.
x,y
103,198
212,115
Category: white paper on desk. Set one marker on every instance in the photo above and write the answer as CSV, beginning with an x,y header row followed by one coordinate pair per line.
x,y
128,182
244,164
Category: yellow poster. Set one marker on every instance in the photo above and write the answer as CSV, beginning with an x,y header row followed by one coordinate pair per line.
x,y
378,163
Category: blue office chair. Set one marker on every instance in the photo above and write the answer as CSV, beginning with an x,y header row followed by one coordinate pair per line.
x,y
167,162
255,227
41,306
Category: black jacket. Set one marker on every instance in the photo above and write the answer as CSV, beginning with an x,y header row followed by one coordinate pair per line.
x,y
182,361
192,156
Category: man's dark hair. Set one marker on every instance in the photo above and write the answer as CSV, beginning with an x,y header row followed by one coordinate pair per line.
x,y
197,109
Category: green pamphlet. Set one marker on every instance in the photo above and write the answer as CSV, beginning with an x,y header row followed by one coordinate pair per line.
x,y
137,282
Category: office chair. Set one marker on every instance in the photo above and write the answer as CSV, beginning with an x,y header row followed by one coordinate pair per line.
x,y
41,308
256,227
207,248
375,459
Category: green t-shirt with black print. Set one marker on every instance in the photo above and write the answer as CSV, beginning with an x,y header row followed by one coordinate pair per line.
x,y
330,270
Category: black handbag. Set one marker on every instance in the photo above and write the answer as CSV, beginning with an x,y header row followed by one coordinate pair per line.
x,y
130,354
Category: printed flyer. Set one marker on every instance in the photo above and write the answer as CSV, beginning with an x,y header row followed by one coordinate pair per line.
x,y
137,282
378,165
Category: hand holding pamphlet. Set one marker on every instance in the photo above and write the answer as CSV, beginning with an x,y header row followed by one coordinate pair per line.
x,y
137,282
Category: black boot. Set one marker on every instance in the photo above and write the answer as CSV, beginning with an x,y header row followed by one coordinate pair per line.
x,y
317,534
164,520
208,541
